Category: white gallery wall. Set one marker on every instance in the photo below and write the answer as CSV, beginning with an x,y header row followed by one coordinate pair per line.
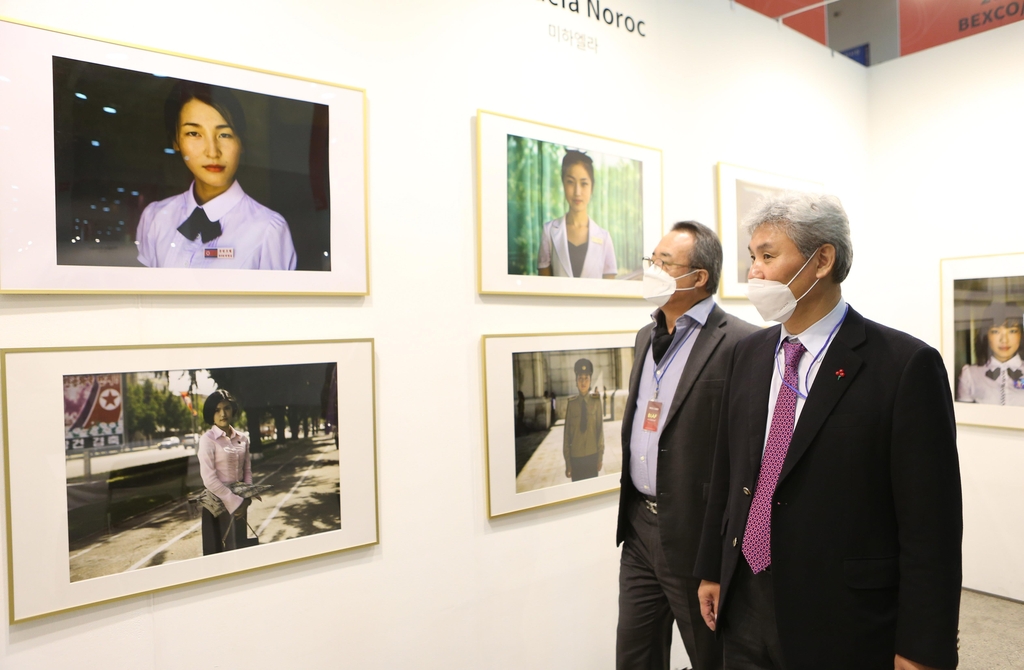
x,y
946,181
446,587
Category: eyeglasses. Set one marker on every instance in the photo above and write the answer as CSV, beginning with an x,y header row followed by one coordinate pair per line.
x,y
664,265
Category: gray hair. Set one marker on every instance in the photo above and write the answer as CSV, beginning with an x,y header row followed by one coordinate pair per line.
x,y
706,253
810,220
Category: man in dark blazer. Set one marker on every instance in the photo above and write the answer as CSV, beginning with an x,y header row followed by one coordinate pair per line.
x,y
833,529
668,438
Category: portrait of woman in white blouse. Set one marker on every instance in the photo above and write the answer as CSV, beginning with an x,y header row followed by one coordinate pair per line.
x,y
214,224
998,378
223,460
574,245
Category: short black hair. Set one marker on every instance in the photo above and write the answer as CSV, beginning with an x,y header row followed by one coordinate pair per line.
x,y
574,157
216,398
218,97
996,314
706,253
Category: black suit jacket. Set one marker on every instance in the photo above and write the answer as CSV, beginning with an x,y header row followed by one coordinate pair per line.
x,y
687,443
866,520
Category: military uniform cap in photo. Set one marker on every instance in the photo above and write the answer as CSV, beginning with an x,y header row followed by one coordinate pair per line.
x,y
584,367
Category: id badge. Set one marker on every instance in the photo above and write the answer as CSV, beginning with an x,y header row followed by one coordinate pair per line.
x,y
652,415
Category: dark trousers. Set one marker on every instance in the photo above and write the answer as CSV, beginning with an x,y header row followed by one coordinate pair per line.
x,y
220,535
584,467
750,633
650,596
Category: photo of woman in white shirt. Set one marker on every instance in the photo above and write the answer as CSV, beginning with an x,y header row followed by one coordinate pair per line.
x,y
1000,379
223,460
214,224
574,245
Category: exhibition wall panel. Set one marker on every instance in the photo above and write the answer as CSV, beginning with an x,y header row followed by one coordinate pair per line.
x,y
446,587
945,182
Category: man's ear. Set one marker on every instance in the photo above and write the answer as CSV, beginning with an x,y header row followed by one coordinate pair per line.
x,y
826,261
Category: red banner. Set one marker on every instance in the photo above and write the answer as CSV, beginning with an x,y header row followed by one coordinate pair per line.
x,y
93,411
928,23
810,23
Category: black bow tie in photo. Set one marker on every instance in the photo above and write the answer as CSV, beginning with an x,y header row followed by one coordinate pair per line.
x,y
199,224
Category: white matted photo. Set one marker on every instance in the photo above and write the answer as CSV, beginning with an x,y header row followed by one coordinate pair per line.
x,y
137,469
554,407
147,172
563,212
739,190
982,318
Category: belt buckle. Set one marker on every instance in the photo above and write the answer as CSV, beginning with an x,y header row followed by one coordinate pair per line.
x,y
652,505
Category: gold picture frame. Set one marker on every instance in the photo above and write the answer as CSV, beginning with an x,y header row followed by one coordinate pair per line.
x,y
976,294
115,504
87,209
519,203
529,382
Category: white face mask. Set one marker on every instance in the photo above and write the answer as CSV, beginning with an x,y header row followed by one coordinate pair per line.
x,y
660,285
774,300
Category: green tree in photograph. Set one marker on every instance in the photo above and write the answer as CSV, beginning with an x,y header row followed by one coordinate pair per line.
x,y
536,196
150,411
140,410
176,416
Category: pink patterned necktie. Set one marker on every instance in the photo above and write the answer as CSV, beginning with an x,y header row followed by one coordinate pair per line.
x,y
757,538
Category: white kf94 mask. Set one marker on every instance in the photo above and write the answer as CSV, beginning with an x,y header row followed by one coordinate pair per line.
x,y
660,285
774,300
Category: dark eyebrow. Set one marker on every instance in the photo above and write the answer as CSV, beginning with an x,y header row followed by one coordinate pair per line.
x,y
193,123
760,247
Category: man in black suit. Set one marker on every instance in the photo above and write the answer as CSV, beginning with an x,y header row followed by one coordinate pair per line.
x,y
668,439
833,529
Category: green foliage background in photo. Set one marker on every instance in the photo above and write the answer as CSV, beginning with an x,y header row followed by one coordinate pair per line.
x,y
535,196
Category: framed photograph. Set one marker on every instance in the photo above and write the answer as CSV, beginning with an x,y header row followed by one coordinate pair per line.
x,y
739,190
141,172
554,407
982,312
181,463
563,212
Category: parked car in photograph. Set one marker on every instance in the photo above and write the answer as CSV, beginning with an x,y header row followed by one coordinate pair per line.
x,y
169,443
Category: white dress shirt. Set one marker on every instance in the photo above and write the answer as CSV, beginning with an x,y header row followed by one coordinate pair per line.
x,y
643,444
816,340
554,251
253,237
1005,386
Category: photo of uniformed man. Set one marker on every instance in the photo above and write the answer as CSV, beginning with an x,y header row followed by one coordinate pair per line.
x,y
583,437
568,406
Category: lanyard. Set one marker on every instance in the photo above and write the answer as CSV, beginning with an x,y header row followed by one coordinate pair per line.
x,y
813,360
676,350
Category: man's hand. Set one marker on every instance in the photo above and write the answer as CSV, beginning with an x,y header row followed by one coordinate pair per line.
x,y
600,465
707,594
568,472
902,663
